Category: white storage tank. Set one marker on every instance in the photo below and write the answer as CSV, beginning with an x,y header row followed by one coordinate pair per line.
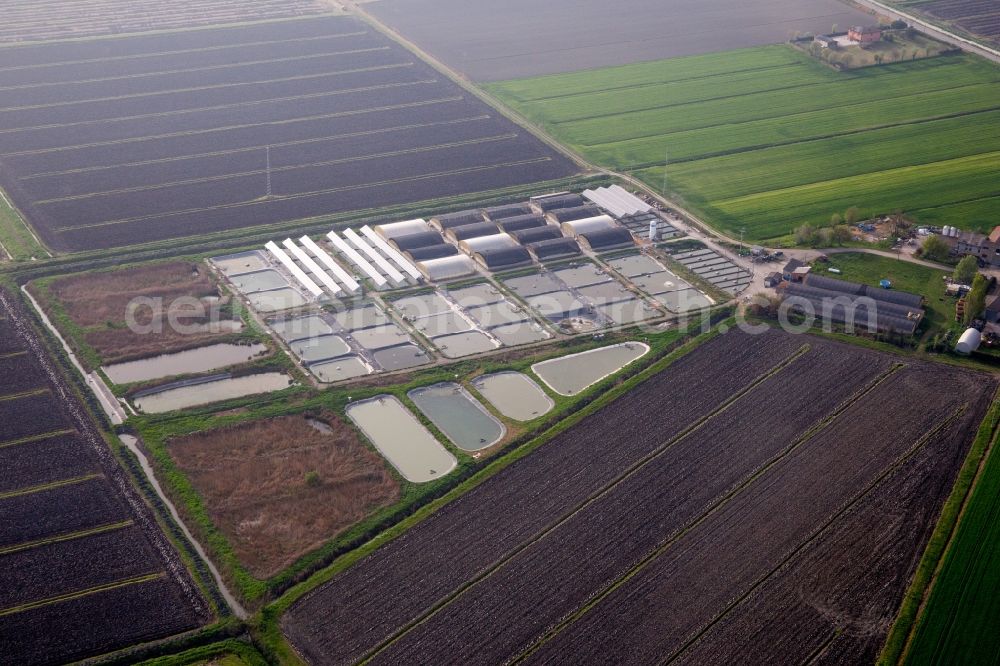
x,y
969,342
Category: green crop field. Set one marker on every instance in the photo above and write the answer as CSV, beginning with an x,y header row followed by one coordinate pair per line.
x,y
768,138
959,623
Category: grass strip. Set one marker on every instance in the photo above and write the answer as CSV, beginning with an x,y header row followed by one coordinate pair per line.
x,y
37,438
27,545
49,486
30,393
81,593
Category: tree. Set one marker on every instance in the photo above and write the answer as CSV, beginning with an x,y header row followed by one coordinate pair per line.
x,y
824,237
935,248
852,215
805,235
842,234
975,302
835,219
966,270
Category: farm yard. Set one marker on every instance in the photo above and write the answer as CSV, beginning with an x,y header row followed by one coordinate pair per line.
x,y
68,19
528,39
767,138
654,511
212,130
978,18
81,556
281,487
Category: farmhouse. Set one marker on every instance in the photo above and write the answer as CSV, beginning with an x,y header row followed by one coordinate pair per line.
x,y
865,34
985,248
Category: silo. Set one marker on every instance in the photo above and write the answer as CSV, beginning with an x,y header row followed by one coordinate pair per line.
x,y
652,230
969,342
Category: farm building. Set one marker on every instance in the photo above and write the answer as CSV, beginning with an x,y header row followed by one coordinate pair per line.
x,y
447,268
574,228
510,210
825,41
451,220
498,259
786,272
617,200
984,248
606,239
493,242
969,341
397,229
521,222
526,236
419,239
557,247
560,215
550,202
861,305
432,252
466,231
865,34
772,280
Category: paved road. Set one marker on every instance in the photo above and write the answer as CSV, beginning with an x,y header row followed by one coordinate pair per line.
x,y
932,30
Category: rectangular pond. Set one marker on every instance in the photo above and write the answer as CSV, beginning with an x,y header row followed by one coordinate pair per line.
x,y
515,395
568,375
312,326
203,393
346,367
244,262
312,350
191,361
458,415
276,300
401,438
458,345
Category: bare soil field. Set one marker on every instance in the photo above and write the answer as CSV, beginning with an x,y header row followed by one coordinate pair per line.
x,y
814,488
348,617
96,306
69,19
637,516
672,600
979,18
84,568
493,41
146,138
281,487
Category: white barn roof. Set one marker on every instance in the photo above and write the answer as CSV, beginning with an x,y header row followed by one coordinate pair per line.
x,y
296,272
357,259
617,200
343,276
313,267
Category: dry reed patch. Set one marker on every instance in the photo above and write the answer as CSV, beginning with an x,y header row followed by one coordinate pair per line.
x,y
279,488
173,292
